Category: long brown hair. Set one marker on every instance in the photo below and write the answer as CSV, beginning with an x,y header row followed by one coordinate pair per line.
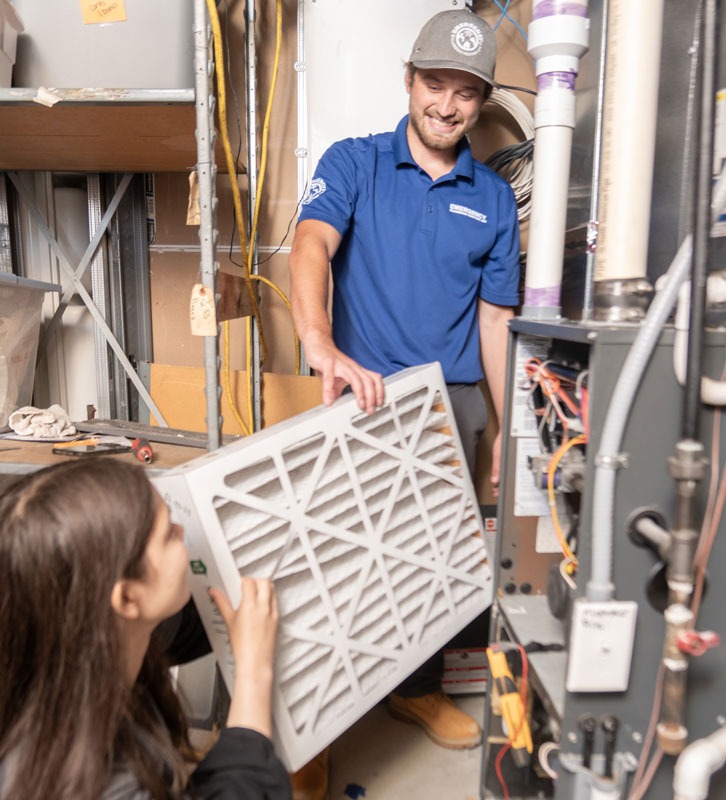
x,y
67,534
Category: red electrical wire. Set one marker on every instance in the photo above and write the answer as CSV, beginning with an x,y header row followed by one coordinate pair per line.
x,y
498,768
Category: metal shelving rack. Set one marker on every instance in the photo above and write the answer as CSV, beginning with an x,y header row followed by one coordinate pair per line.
x,y
129,110
206,173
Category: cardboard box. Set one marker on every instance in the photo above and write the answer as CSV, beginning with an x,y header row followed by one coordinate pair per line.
x,y
370,528
10,27
150,48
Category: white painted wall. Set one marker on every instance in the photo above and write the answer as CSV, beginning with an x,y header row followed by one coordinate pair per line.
x,y
354,53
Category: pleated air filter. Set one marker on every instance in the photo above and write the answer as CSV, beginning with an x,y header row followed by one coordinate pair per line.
x,y
370,527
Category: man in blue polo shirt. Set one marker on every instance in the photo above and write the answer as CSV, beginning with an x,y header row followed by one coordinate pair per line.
x,y
423,241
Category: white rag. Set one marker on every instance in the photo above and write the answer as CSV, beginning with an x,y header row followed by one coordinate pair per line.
x,y
41,423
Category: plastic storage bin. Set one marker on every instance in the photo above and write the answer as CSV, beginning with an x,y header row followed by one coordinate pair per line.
x,y
20,313
151,49
10,27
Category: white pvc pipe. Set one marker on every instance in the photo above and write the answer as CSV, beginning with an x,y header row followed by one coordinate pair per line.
x,y
628,141
557,38
547,221
696,764
713,392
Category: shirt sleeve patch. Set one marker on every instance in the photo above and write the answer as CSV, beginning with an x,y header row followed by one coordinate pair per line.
x,y
317,187
455,208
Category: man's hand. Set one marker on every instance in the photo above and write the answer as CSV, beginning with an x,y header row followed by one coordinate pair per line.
x,y
495,476
338,371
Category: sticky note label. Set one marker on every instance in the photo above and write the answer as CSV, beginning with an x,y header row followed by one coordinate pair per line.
x,y
95,11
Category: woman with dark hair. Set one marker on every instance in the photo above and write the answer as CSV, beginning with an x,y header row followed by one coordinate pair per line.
x,y
90,565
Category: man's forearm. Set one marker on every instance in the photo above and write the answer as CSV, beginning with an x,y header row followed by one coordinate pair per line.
x,y
494,333
309,297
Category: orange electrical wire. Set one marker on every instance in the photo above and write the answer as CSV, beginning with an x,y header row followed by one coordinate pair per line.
x,y
554,462
553,389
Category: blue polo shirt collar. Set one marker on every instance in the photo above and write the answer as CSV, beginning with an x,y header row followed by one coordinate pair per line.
x,y
464,167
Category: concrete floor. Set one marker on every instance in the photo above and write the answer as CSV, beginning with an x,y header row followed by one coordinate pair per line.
x,y
381,758
392,760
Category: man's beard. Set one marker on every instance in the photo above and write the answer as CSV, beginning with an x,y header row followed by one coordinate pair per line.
x,y
437,141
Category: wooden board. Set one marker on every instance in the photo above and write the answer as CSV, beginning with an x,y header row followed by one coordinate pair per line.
x,y
99,137
179,394
16,456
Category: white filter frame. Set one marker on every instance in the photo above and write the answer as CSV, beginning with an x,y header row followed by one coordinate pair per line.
x,y
370,527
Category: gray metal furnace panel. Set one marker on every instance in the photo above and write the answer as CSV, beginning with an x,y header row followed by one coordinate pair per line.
x,y
653,428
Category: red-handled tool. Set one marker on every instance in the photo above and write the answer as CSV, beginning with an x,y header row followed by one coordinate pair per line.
x,y
142,450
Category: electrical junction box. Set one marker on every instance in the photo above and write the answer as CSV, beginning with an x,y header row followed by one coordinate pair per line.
x,y
601,645
369,526
149,47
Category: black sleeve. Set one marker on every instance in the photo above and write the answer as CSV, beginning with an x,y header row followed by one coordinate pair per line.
x,y
182,637
242,765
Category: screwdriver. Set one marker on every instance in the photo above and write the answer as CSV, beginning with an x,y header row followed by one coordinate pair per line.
x,y
142,450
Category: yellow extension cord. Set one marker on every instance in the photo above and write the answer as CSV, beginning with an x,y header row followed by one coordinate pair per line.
x,y
247,251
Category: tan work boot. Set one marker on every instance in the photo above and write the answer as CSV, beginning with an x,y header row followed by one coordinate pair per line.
x,y
311,781
445,724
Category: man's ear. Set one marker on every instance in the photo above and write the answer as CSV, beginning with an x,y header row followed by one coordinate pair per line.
x,y
408,79
123,599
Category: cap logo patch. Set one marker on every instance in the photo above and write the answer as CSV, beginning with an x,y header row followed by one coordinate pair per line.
x,y
466,39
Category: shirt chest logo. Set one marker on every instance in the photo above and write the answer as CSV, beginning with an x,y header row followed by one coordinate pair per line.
x,y
455,208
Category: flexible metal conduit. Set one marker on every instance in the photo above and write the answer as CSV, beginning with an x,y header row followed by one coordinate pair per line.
x,y
607,461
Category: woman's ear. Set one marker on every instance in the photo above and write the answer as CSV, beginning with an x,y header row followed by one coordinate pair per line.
x,y
123,599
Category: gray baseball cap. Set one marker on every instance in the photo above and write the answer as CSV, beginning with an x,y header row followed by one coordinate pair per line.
x,y
457,40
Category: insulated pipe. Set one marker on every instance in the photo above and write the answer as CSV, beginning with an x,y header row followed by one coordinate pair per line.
x,y
713,392
608,458
696,764
557,38
628,146
701,217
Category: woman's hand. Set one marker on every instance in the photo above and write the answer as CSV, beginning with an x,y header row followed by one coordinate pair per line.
x,y
252,630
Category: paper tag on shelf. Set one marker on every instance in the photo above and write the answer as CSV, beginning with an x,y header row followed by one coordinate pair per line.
x,y
201,311
193,212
